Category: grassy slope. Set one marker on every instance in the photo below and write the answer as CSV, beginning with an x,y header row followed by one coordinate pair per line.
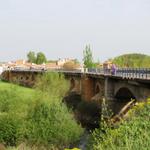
x,y
15,98
23,91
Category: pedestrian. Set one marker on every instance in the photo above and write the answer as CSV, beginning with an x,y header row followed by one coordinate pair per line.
x,y
113,69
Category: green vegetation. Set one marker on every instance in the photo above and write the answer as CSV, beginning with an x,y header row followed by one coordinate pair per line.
x,y
132,134
37,117
31,57
38,58
41,58
88,57
133,60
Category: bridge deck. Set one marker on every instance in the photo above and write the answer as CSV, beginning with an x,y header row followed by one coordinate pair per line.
x,y
121,73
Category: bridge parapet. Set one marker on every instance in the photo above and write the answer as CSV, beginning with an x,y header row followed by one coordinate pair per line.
x,y
137,73
141,73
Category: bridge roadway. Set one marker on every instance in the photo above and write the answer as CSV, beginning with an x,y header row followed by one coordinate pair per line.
x,y
121,73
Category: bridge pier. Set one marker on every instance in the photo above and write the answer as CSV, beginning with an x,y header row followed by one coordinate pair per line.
x,y
109,94
87,90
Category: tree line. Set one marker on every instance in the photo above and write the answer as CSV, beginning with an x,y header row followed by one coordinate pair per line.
x,y
125,61
38,58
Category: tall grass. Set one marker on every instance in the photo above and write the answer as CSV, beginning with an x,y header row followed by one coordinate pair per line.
x,y
37,116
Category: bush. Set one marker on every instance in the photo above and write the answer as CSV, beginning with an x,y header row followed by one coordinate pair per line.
x,y
8,99
9,129
13,109
52,83
50,123
133,134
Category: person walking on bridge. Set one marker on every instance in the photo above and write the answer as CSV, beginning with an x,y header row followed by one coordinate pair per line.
x,y
113,69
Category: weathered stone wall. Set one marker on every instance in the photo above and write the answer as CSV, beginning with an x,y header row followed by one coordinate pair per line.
x,y
22,78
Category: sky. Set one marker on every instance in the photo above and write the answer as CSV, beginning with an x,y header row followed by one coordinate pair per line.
x,y
62,28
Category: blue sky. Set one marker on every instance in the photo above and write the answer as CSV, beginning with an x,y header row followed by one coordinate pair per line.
x,y
62,28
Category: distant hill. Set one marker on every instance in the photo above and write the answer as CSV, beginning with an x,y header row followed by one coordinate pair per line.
x,y
132,60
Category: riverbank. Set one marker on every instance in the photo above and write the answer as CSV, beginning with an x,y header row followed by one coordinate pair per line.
x,y
37,118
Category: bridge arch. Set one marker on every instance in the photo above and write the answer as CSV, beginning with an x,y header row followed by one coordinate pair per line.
x,y
124,94
123,100
72,83
97,88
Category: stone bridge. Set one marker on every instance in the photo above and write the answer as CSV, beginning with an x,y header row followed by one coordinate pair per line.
x,y
96,85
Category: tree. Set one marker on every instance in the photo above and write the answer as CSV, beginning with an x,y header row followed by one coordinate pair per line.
x,y
31,57
88,57
41,58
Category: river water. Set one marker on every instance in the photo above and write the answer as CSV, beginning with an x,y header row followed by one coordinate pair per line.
x,y
84,141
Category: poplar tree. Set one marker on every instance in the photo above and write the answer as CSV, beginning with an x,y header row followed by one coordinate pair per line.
x,y
88,57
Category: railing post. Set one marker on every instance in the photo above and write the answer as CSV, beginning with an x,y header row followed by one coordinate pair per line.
x,y
121,72
139,72
130,72
146,73
127,72
136,73
142,73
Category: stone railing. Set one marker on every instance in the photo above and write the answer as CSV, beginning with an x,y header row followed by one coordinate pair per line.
x,y
139,73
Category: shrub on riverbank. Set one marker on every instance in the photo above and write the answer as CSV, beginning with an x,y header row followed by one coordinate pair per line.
x,y
50,123
133,134
37,116
9,129
53,84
